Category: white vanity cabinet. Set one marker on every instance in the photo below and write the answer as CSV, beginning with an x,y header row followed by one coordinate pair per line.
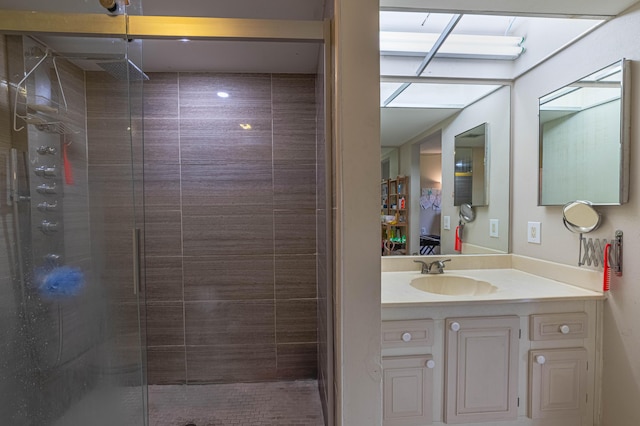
x,y
503,364
558,370
407,379
481,372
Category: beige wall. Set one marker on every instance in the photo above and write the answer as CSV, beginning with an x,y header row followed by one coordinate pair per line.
x,y
357,257
613,41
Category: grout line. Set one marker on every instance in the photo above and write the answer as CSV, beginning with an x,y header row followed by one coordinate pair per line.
x,y
184,315
273,228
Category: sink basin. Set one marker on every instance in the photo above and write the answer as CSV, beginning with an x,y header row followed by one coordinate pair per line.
x,y
453,285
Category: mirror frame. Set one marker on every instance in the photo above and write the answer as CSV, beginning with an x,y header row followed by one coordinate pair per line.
x,y
625,129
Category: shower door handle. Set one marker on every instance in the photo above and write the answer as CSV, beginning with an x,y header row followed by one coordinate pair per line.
x,y
136,260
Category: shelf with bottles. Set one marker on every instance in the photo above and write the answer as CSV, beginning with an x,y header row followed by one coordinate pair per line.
x,y
384,197
394,240
395,215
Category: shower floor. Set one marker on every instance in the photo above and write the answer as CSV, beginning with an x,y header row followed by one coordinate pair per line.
x,y
244,404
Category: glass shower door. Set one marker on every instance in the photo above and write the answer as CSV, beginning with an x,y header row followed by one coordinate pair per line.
x,y
71,308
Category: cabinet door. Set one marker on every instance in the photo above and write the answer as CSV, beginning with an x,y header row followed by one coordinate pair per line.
x,y
557,383
407,390
481,373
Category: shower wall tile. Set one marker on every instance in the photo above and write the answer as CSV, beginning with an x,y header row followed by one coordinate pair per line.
x,y
229,322
162,186
166,365
115,272
249,95
297,361
239,197
295,277
228,278
296,320
245,230
226,183
208,139
294,137
163,232
107,97
294,93
294,185
231,363
161,95
162,140
163,278
165,323
295,231
110,141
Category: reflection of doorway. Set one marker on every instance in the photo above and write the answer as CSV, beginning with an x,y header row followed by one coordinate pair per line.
x,y
430,193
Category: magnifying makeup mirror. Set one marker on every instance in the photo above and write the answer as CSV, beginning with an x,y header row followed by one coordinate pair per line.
x,y
466,213
580,217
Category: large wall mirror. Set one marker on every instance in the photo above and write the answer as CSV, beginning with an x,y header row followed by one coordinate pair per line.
x,y
428,159
441,75
584,139
470,167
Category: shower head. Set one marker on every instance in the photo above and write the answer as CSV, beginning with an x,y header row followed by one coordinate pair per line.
x,y
123,69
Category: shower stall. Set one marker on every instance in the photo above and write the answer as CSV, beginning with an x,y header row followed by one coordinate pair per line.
x,y
166,255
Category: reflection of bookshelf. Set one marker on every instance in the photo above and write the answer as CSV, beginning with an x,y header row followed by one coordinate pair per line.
x,y
394,194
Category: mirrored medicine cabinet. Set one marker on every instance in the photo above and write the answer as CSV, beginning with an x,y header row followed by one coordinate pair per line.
x,y
471,169
584,139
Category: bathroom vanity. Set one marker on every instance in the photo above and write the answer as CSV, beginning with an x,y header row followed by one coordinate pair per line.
x,y
491,346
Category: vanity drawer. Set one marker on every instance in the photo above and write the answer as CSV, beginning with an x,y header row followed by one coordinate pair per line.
x,y
558,326
407,333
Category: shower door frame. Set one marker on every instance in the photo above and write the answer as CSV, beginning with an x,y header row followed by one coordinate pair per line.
x,y
223,29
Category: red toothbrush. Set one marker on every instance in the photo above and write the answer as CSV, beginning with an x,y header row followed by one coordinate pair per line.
x,y
607,270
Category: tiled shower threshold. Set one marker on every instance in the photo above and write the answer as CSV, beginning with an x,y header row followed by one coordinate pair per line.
x,y
284,403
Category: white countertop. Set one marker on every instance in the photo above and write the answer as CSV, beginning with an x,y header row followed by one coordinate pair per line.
x,y
514,286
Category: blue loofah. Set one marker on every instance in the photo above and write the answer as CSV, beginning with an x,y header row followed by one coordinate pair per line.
x,y
62,281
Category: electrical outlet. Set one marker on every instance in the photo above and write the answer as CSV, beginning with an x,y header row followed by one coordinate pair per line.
x,y
533,232
446,222
493,228
423,231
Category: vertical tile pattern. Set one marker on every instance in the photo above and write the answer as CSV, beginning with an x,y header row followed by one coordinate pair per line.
x,y
230,227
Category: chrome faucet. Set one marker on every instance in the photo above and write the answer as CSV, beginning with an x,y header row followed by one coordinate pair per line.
x,y
435,267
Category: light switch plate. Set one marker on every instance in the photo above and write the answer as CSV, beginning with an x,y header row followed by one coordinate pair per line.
x,y
493,228
533,232
446,222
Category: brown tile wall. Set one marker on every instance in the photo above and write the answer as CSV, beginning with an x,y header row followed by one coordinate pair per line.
x,y
230,227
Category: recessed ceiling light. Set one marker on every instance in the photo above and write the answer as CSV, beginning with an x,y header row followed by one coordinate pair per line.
x,y
223,94
245,126
184,40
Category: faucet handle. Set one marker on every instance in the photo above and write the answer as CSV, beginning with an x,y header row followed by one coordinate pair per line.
x,y
439,264
425,266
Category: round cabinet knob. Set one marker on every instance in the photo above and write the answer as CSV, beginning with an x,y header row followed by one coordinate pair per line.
x,y
565,329
540,359
455,326
431,363
406,337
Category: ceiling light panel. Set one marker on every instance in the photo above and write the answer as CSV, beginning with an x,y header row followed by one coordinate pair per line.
x,y
431,95
456,46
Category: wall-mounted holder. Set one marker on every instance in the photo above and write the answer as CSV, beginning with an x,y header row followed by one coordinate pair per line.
x,y
617,254
592,252
580,217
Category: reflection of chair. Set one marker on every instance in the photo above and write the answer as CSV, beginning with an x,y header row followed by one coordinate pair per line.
x,y
428,243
